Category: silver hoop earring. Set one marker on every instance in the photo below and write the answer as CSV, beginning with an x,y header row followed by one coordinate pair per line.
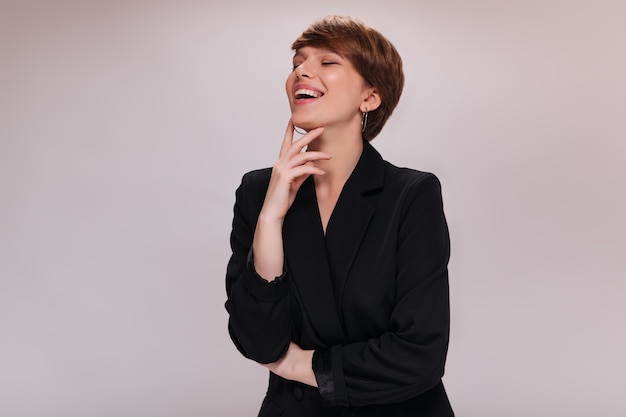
x,y
364,121
298,132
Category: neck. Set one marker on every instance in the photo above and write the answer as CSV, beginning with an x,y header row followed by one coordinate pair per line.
x,y
346,148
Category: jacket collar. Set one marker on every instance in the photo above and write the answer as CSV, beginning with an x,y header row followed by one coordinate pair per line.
x,y
368,174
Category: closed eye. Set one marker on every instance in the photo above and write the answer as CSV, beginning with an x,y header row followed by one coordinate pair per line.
x,y
325,63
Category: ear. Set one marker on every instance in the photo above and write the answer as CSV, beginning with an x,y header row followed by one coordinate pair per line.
x,y
371,101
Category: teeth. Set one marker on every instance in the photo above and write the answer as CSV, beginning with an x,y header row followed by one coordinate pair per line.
x,y
306,93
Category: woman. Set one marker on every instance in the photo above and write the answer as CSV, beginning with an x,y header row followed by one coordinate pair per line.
x,y
338,277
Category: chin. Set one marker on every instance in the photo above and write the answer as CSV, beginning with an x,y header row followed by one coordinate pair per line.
x,y
303,125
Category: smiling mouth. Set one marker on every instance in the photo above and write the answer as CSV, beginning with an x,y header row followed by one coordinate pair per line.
x,y
305,93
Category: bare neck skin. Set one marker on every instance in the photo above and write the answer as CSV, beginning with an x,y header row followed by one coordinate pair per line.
x,y
345,146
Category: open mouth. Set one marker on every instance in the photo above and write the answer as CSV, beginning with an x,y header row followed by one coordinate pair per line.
x,y
305,93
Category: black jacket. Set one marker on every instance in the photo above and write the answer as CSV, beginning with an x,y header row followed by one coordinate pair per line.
x,y
371,297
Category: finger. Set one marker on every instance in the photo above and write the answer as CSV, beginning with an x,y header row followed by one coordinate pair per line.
x,y
307,170
288,139
305,157
305,140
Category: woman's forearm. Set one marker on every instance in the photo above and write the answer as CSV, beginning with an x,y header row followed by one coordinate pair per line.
x,y
296,365
267,247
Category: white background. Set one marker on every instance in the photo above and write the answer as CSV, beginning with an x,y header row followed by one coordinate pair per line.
x,y
125,127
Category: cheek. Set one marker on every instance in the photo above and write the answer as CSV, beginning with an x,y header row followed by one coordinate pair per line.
x,y
289,82
336,78
350,86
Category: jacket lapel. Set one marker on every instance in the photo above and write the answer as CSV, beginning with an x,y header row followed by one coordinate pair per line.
x,y
305,252
315,261
353,213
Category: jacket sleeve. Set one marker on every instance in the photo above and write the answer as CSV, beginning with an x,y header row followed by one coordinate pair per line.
x,y
259,323
408,359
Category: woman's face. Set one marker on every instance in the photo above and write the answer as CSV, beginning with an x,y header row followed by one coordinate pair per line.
x,y
324,89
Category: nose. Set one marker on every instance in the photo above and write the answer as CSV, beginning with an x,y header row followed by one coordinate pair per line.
x,y
301,72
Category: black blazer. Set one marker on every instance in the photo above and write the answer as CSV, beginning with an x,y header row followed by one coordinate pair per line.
x,y
371,296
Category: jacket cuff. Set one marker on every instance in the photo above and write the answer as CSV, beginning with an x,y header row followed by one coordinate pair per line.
x,y
327,367
262,289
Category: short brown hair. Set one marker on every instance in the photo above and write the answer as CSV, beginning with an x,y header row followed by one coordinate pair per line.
x,y
372,55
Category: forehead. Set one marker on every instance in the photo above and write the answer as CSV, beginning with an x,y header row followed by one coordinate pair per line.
x,y
314,50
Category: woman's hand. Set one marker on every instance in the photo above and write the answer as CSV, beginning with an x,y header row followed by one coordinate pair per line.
x,y
288,174
296,365
290,171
